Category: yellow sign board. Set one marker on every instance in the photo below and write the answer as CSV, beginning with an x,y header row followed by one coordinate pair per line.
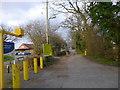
x,y
47,49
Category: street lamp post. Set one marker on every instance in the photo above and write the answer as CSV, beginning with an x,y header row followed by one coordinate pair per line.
x,y
18,33
48,23
47,39
1,61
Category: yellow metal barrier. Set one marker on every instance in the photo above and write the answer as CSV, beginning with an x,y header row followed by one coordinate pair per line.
x,y
41,62
35,66
25,70
16,76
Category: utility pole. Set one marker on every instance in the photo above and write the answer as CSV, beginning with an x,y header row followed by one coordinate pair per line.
x,y
47,38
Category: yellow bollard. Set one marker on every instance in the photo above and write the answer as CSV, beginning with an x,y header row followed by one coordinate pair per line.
x,y
85,52
16,76
25,70
66,53
41,62
35,66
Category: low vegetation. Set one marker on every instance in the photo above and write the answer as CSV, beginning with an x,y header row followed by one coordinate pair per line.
x,y
99,59
103,60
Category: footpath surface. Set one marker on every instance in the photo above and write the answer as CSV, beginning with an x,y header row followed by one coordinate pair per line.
x,y
74,71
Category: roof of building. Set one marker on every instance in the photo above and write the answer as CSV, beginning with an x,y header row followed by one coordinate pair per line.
x,y
26,46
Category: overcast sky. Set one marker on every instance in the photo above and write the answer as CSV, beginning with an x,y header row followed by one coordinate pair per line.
x,y
16,12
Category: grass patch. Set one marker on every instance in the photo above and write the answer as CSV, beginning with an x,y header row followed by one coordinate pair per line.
x,y
8,58
80,52
103,60
10,81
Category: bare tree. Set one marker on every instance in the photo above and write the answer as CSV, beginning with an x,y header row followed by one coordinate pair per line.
x,y
79,20
36,33
73,6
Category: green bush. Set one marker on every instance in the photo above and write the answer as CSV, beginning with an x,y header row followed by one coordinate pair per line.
x,y
47,60
61,53
80,52
30,61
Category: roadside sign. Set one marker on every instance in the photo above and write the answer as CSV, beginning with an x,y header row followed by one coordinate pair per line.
x,y
8,51
47,49
8,47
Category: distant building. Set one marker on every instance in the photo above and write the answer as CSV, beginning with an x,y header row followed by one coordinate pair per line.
x,y
25,47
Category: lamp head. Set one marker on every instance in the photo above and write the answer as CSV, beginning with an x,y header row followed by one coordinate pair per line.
x,y
19,32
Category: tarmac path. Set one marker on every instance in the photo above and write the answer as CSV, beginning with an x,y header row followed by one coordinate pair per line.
x,y
74,71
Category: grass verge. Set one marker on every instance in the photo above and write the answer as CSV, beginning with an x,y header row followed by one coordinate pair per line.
x,y
100,60
8,58
10,81
103,60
